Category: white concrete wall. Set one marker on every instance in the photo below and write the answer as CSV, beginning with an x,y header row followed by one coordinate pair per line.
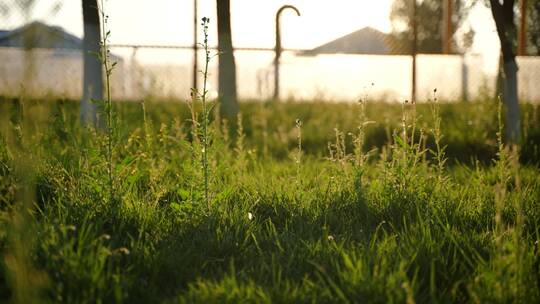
x,y
42,72
330,77
529,78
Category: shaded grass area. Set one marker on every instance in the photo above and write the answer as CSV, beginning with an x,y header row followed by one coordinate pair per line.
x,y
321,228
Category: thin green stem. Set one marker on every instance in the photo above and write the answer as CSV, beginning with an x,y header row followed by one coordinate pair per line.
x,y
437,134
108,102
298,160
205,22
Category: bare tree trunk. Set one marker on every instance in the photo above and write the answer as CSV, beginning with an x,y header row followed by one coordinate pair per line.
x,y
195,46
503,14
227,69
93,73
447,29
510,89
414,50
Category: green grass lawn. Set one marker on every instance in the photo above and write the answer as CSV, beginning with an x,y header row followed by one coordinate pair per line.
x,y
369,207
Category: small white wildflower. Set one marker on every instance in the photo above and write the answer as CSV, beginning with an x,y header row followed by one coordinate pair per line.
x,y
330,238
250,216
123,250
71,228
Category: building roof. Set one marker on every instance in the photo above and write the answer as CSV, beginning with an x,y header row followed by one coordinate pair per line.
x,y
39,35
364,41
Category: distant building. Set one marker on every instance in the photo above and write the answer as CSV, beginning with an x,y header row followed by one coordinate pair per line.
x,y
364,41
39,35
3,33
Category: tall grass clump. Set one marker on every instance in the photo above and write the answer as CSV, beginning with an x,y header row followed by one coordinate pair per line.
x,y
404,166
507,276
439,152
298,154
19,230
359,142
240,147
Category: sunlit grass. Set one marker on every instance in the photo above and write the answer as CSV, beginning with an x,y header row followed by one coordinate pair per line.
x,y
378,219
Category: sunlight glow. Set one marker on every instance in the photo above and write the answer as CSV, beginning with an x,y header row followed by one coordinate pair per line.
x,y
170,21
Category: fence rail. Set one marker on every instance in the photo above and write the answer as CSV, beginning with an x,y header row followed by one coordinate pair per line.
x,y
327,77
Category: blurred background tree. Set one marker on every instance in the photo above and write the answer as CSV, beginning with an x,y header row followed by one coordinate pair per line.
x,y
533,27
430,22
93,71
227,68
504,15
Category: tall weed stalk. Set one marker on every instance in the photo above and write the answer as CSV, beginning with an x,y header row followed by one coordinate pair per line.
x,y
104,57
200,130
439,152
359,140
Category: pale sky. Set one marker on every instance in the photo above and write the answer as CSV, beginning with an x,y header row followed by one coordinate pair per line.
x,y
170,21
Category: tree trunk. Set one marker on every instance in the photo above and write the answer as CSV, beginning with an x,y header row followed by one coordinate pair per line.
x,y
503,14
93,73
510,90
227,69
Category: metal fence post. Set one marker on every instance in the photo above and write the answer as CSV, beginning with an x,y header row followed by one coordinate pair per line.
x,y
414,42
278,49
195,46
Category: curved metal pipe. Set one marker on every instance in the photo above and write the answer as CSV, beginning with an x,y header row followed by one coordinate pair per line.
x,y
278,48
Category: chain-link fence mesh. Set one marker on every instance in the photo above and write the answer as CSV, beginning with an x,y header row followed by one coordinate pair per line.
x,y
364,62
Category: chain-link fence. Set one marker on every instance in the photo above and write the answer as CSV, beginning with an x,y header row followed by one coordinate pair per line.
x,y
364,62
